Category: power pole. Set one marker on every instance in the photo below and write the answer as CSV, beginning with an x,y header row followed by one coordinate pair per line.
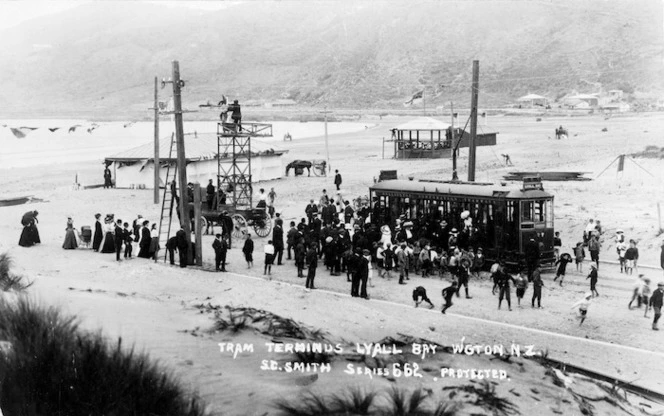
x,y
181,160
473,121
156,142
455,176
327,148
424,103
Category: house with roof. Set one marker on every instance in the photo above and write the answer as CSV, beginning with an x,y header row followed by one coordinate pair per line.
x,y
134,168
532,100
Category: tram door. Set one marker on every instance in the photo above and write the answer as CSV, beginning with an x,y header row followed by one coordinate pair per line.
x,y
500,217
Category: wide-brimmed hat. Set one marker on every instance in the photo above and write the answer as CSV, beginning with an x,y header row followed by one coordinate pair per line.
x,y
329,239
660,284
619,231
593,265
97,215
408,224
366,252
454,231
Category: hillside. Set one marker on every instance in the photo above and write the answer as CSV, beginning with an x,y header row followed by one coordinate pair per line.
x,y
102,57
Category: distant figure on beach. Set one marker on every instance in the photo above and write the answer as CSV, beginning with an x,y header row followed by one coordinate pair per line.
x,y
337,179
508,161
287,137
70,236
30,235
108,183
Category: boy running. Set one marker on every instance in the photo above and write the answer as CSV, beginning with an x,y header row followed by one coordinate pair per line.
x,y
562,265
583,305
448,293
421,292
593,279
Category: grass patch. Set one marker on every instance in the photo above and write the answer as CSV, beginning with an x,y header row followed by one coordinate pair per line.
x,y
55,368
357,401
8,280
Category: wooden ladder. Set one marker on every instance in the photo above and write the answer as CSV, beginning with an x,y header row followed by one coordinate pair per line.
x,y
167,202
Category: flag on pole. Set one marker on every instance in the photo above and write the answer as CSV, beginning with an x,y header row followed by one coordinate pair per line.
x,y
416,97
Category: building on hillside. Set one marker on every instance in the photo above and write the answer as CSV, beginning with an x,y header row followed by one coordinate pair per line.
x,y
134,168
532,100
428,138
616,95
591,99
618,107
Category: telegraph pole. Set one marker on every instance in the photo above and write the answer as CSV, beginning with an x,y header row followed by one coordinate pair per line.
x,y
327,148
181,160
473,121
424,103
156,142
454,161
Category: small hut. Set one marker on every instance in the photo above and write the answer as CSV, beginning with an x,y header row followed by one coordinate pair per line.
x,y
533,100
424,137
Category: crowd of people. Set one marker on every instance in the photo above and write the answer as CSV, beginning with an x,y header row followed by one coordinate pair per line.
x,y
336,238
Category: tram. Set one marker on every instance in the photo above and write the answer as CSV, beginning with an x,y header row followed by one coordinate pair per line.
x,y
506,217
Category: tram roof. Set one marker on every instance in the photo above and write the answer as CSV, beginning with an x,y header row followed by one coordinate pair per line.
x,y
488,190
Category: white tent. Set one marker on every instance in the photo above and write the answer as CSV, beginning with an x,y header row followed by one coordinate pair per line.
x,y
134,168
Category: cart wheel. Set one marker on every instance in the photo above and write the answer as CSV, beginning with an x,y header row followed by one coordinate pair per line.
x,y
204,224
263,225
240,228
318,170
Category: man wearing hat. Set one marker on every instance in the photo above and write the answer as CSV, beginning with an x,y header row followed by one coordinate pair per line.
x,y
220,249
656,303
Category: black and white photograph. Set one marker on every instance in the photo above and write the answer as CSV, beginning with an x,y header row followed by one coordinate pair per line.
x,y
331,208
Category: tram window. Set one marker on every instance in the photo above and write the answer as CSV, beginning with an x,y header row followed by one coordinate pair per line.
x,y
549,213
540,212
527,210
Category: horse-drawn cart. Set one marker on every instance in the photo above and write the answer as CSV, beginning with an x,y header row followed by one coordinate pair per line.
x,y
236,221
319,167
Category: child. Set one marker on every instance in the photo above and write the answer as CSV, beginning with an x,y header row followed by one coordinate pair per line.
x,y
593,279
443,263
269,257
579,255
425,261
478,264
632,256
421,292
637,294
562,265
645,295
621,248
521,285
583,305
128,240
448,292
248,251
495,273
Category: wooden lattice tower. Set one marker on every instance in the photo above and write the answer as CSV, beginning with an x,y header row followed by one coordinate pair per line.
x,y
234,160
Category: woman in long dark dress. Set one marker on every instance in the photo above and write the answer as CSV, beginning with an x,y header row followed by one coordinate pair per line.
x,y
154,242
30,234
99,234
70,236
108,244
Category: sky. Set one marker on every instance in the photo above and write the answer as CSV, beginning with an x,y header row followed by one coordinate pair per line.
x,y
14,12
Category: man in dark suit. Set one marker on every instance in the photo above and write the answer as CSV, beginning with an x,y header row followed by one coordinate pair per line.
x,y
220,248
210,194
144,244
278,240
337,179
119,238
363,272
183,246
312,264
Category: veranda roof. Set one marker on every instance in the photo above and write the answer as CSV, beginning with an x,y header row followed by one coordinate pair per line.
x,y
423,123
